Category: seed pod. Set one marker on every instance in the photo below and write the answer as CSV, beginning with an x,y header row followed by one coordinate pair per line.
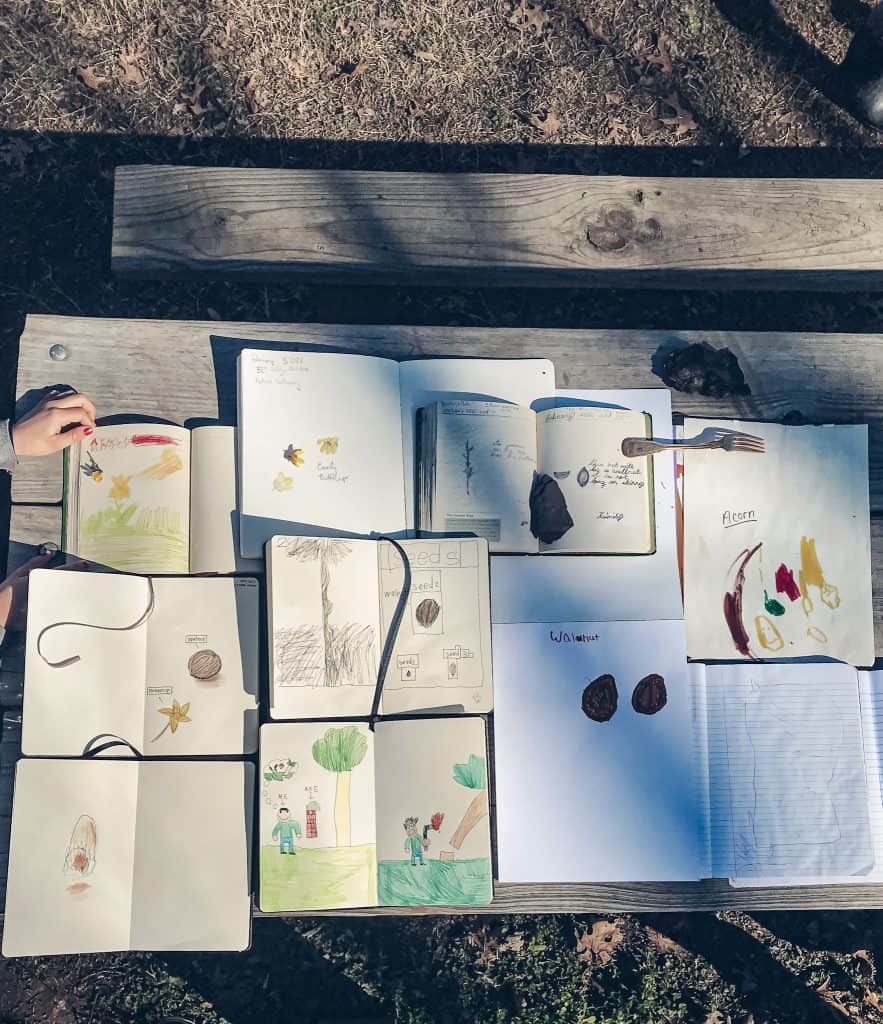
x,y
582,477
649,696
427,612
204,665
600,698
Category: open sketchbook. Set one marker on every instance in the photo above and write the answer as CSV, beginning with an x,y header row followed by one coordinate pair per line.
x,y
331,603
397,817
173,670
125,855
777,546
152,498
550,482
327,438
763,774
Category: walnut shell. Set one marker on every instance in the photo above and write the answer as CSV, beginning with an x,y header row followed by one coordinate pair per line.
x,y
600,699
204,664
427,611
649,695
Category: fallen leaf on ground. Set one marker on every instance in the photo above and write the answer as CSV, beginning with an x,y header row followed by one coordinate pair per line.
x,y
683,120
90,78
663,943
872,998
346,70
249,85
613,97
531,14
617,131
428,56
192,101
599,943
595,29
415,110
661,58
130,72
514,942
548,123
865,963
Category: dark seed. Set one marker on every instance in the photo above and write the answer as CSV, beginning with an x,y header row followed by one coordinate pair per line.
x,y
582,477
427,611
649,695
600,699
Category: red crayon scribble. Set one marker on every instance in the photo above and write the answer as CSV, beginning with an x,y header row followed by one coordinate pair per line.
x,y
785,583
152,439
733,604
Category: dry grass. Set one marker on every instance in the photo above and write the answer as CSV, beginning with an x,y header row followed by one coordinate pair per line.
x,y
428,70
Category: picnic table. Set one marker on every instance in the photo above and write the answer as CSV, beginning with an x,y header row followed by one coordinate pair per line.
x,y
184,372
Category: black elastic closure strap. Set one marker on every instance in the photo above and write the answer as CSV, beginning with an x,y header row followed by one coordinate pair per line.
x,y
112,741
392,635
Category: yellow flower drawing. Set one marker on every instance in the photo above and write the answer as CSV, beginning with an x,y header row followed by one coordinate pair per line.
x,y
282,482
294,455
120,489
328,445
177,714
169,462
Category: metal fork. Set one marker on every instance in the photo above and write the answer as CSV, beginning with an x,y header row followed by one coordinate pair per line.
x,y
633,447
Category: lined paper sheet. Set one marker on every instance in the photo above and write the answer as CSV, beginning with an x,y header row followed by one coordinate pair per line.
x,y
787,792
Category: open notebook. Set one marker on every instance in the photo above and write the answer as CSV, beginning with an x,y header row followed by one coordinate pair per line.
x,y
174,672
763,774
397,817
551,482
125,855
331,603
777,546
327,438
153,498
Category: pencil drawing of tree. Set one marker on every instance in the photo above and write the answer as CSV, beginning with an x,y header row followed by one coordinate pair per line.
x,y
472,775
468,467
339,751
328,551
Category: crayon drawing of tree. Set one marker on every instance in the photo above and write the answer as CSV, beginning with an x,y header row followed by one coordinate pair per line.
x,y
339,751
472,775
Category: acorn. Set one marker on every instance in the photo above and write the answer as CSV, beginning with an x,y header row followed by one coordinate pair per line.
x,y
649,695
204,665
427,612
600,699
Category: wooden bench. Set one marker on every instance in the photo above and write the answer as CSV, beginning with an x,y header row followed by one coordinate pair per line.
x,y
184,371
499,229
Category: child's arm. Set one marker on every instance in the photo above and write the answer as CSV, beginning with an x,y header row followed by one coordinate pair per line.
x,y
297,828
276,831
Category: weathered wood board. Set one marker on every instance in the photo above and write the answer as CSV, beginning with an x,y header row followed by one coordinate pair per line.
x,y
184,371
499,229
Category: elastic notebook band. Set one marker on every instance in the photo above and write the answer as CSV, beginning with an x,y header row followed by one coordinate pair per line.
x,y
65,662
392,635
112,741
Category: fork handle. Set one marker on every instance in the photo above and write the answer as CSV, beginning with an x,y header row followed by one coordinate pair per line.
x,y
634,447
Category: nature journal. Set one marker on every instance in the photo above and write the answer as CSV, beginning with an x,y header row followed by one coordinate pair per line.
x,y
351,818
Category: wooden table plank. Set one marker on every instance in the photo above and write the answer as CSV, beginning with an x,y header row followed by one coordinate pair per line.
x,y
174,370
499,229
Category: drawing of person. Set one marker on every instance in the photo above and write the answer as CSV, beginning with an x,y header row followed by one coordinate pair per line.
x,y
414,843
285,830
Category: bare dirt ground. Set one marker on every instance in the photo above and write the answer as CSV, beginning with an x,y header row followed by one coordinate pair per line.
x,y
693,87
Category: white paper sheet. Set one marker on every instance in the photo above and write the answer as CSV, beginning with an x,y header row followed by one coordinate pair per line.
x,y
786,534
423,381
116,855
317,825
601,587
338,419
433,772
788,797
580,800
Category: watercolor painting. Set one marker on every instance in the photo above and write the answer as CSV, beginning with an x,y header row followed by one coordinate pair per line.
x,y
337,654
79,858
775,617
176,715
328,445
429,872
319,867
282,483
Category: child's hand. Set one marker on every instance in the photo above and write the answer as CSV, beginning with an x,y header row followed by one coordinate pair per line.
x,y
14,591
40,431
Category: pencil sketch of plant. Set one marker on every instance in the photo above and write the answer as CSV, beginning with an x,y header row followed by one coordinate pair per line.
x,y
299,656
79,859
347,649
468,465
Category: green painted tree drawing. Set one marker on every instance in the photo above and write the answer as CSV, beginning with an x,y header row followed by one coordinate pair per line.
x,y
472,775
339,751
